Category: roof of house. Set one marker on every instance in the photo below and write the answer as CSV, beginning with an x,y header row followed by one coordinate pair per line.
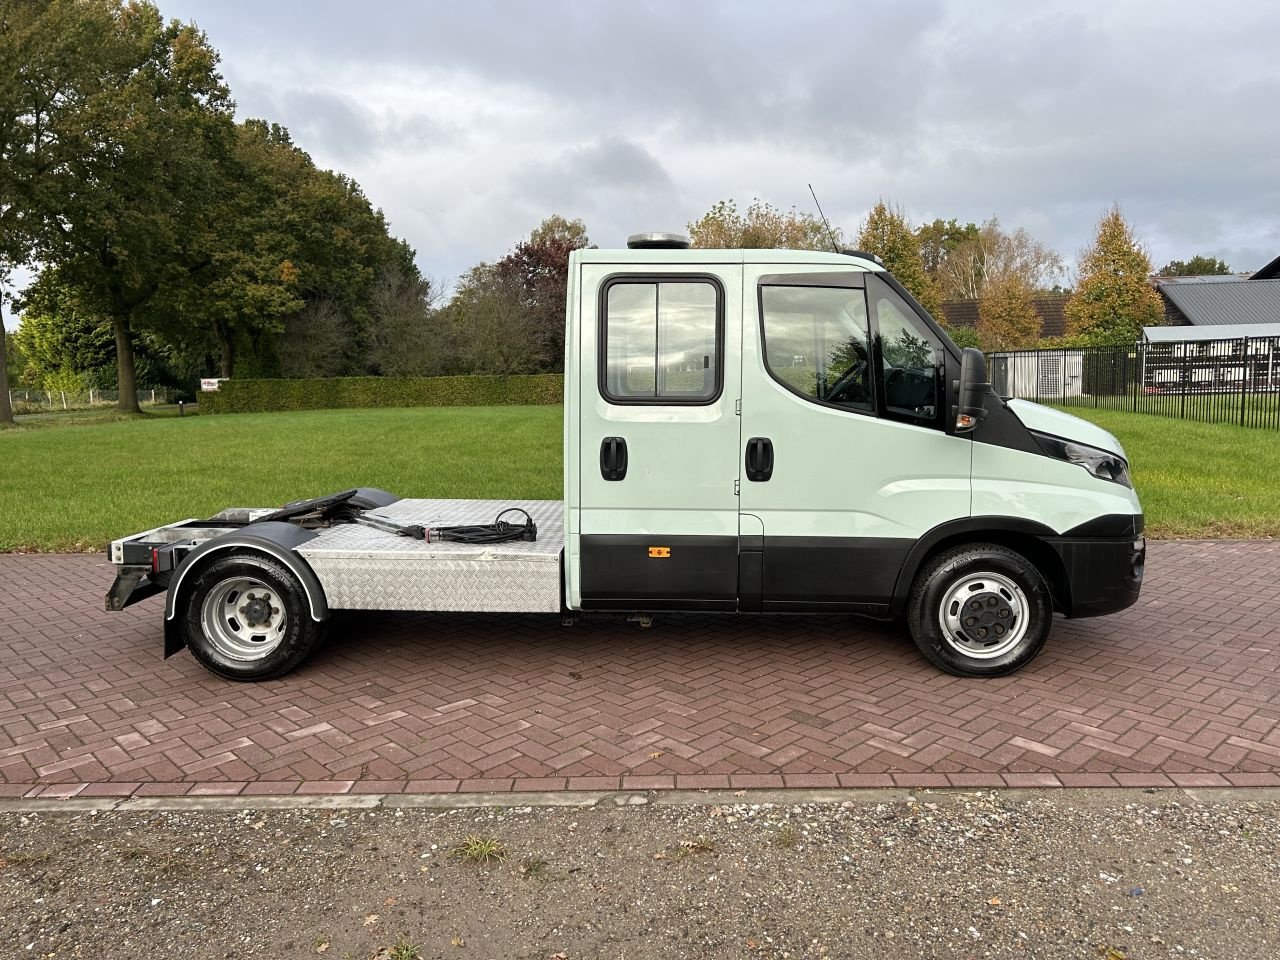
x,y
1049,307
1224,331
1223,300
1270,272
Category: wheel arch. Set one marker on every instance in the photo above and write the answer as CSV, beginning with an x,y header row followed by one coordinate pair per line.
x,y
1027,537
274,539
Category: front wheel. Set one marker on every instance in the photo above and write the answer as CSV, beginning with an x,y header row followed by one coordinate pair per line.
x,y
248,618
980,610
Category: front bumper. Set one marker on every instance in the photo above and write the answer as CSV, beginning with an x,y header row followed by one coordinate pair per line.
x,y
1104,574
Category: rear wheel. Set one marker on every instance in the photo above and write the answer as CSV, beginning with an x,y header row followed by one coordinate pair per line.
x,y
248,618
980,610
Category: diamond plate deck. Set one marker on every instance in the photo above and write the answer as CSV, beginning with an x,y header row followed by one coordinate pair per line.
x,y
362,568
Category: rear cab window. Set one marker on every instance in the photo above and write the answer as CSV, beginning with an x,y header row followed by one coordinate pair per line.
x,y
661,340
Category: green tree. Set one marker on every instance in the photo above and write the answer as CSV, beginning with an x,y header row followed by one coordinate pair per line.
x,y
1114,299
491,330
406,337
133,121
49,52
762,227
14,360
888,234
58,340
939,239
1197,266
1007,318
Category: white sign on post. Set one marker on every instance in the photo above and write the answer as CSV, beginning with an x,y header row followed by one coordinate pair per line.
x,y
210,384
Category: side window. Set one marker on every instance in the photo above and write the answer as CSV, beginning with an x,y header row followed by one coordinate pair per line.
x,y
909,354
661,341
816,344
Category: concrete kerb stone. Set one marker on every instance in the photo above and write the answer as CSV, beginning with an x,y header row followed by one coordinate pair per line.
x,y
786,797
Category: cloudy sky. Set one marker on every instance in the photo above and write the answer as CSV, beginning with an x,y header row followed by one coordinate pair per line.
x,y
469,122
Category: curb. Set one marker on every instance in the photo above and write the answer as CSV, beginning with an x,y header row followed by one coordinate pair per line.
x,y
1101,796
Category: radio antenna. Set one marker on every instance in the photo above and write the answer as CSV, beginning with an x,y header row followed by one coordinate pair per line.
x,y
834,246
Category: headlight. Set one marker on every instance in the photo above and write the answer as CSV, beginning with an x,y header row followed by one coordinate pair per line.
x,y
1101,463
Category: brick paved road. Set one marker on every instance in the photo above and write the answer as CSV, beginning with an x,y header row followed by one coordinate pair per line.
x,y
1183,689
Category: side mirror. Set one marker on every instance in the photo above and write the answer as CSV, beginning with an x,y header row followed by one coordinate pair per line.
x,y
972,407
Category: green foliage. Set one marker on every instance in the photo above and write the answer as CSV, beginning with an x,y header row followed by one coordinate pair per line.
x,y
254,396
14,360
887,233
1114,299
59,342
762,227
938,240
1197,266
964,336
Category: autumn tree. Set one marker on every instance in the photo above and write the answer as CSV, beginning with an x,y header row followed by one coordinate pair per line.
x,y
1114,299
538,270
992,256
762,227
1197,266
888,234
1007,318
939,239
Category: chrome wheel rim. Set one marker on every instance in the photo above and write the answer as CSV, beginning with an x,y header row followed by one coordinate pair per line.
x,y
244,619
984,615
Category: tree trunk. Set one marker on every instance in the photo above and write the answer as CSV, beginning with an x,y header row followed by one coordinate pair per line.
x,y
6,408
226,340
127,380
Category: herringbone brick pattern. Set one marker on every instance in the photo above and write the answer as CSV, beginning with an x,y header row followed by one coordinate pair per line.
x,y
1183,689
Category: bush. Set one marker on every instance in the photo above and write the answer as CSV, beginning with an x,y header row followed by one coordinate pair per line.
x,y
256,396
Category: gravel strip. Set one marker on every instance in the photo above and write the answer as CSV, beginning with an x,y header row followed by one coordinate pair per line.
x,y
1116,875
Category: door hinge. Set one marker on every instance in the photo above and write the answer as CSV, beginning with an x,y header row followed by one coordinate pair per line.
x,y
735,488
737,407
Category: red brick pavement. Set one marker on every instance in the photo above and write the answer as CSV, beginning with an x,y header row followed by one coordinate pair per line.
x,y
1181,690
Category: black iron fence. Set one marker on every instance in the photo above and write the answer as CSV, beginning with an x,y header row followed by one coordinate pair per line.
x,y
1217,381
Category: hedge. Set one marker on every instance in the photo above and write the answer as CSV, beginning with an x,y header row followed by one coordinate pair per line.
x,y
255,396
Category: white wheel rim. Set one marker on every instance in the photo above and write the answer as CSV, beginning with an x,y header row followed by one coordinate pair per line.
x,y
243,619
984,615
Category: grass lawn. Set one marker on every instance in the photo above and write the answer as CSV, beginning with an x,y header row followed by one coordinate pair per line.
x,y
79,485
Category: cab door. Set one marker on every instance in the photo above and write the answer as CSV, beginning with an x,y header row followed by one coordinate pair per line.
x,y
846,457
654,524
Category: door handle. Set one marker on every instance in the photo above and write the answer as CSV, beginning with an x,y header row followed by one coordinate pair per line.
x,y
613,458
759,462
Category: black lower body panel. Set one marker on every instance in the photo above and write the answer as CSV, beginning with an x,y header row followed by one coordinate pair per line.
x,y
773,575
1103,575
643,572
856,574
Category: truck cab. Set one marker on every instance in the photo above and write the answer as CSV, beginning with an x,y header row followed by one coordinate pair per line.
x,y
777,431
745,432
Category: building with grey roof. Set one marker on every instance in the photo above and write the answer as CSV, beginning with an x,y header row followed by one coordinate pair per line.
x,y
1220,300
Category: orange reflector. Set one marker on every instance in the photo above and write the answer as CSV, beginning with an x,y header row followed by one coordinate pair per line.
x,y
657,552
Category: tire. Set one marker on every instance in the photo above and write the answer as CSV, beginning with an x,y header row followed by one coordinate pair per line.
x,y
247,618
980,610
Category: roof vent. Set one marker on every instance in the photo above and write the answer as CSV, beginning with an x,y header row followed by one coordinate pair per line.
x,y
657,241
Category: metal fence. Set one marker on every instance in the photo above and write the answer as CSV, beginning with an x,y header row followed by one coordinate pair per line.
x,y
32,400
1216,381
